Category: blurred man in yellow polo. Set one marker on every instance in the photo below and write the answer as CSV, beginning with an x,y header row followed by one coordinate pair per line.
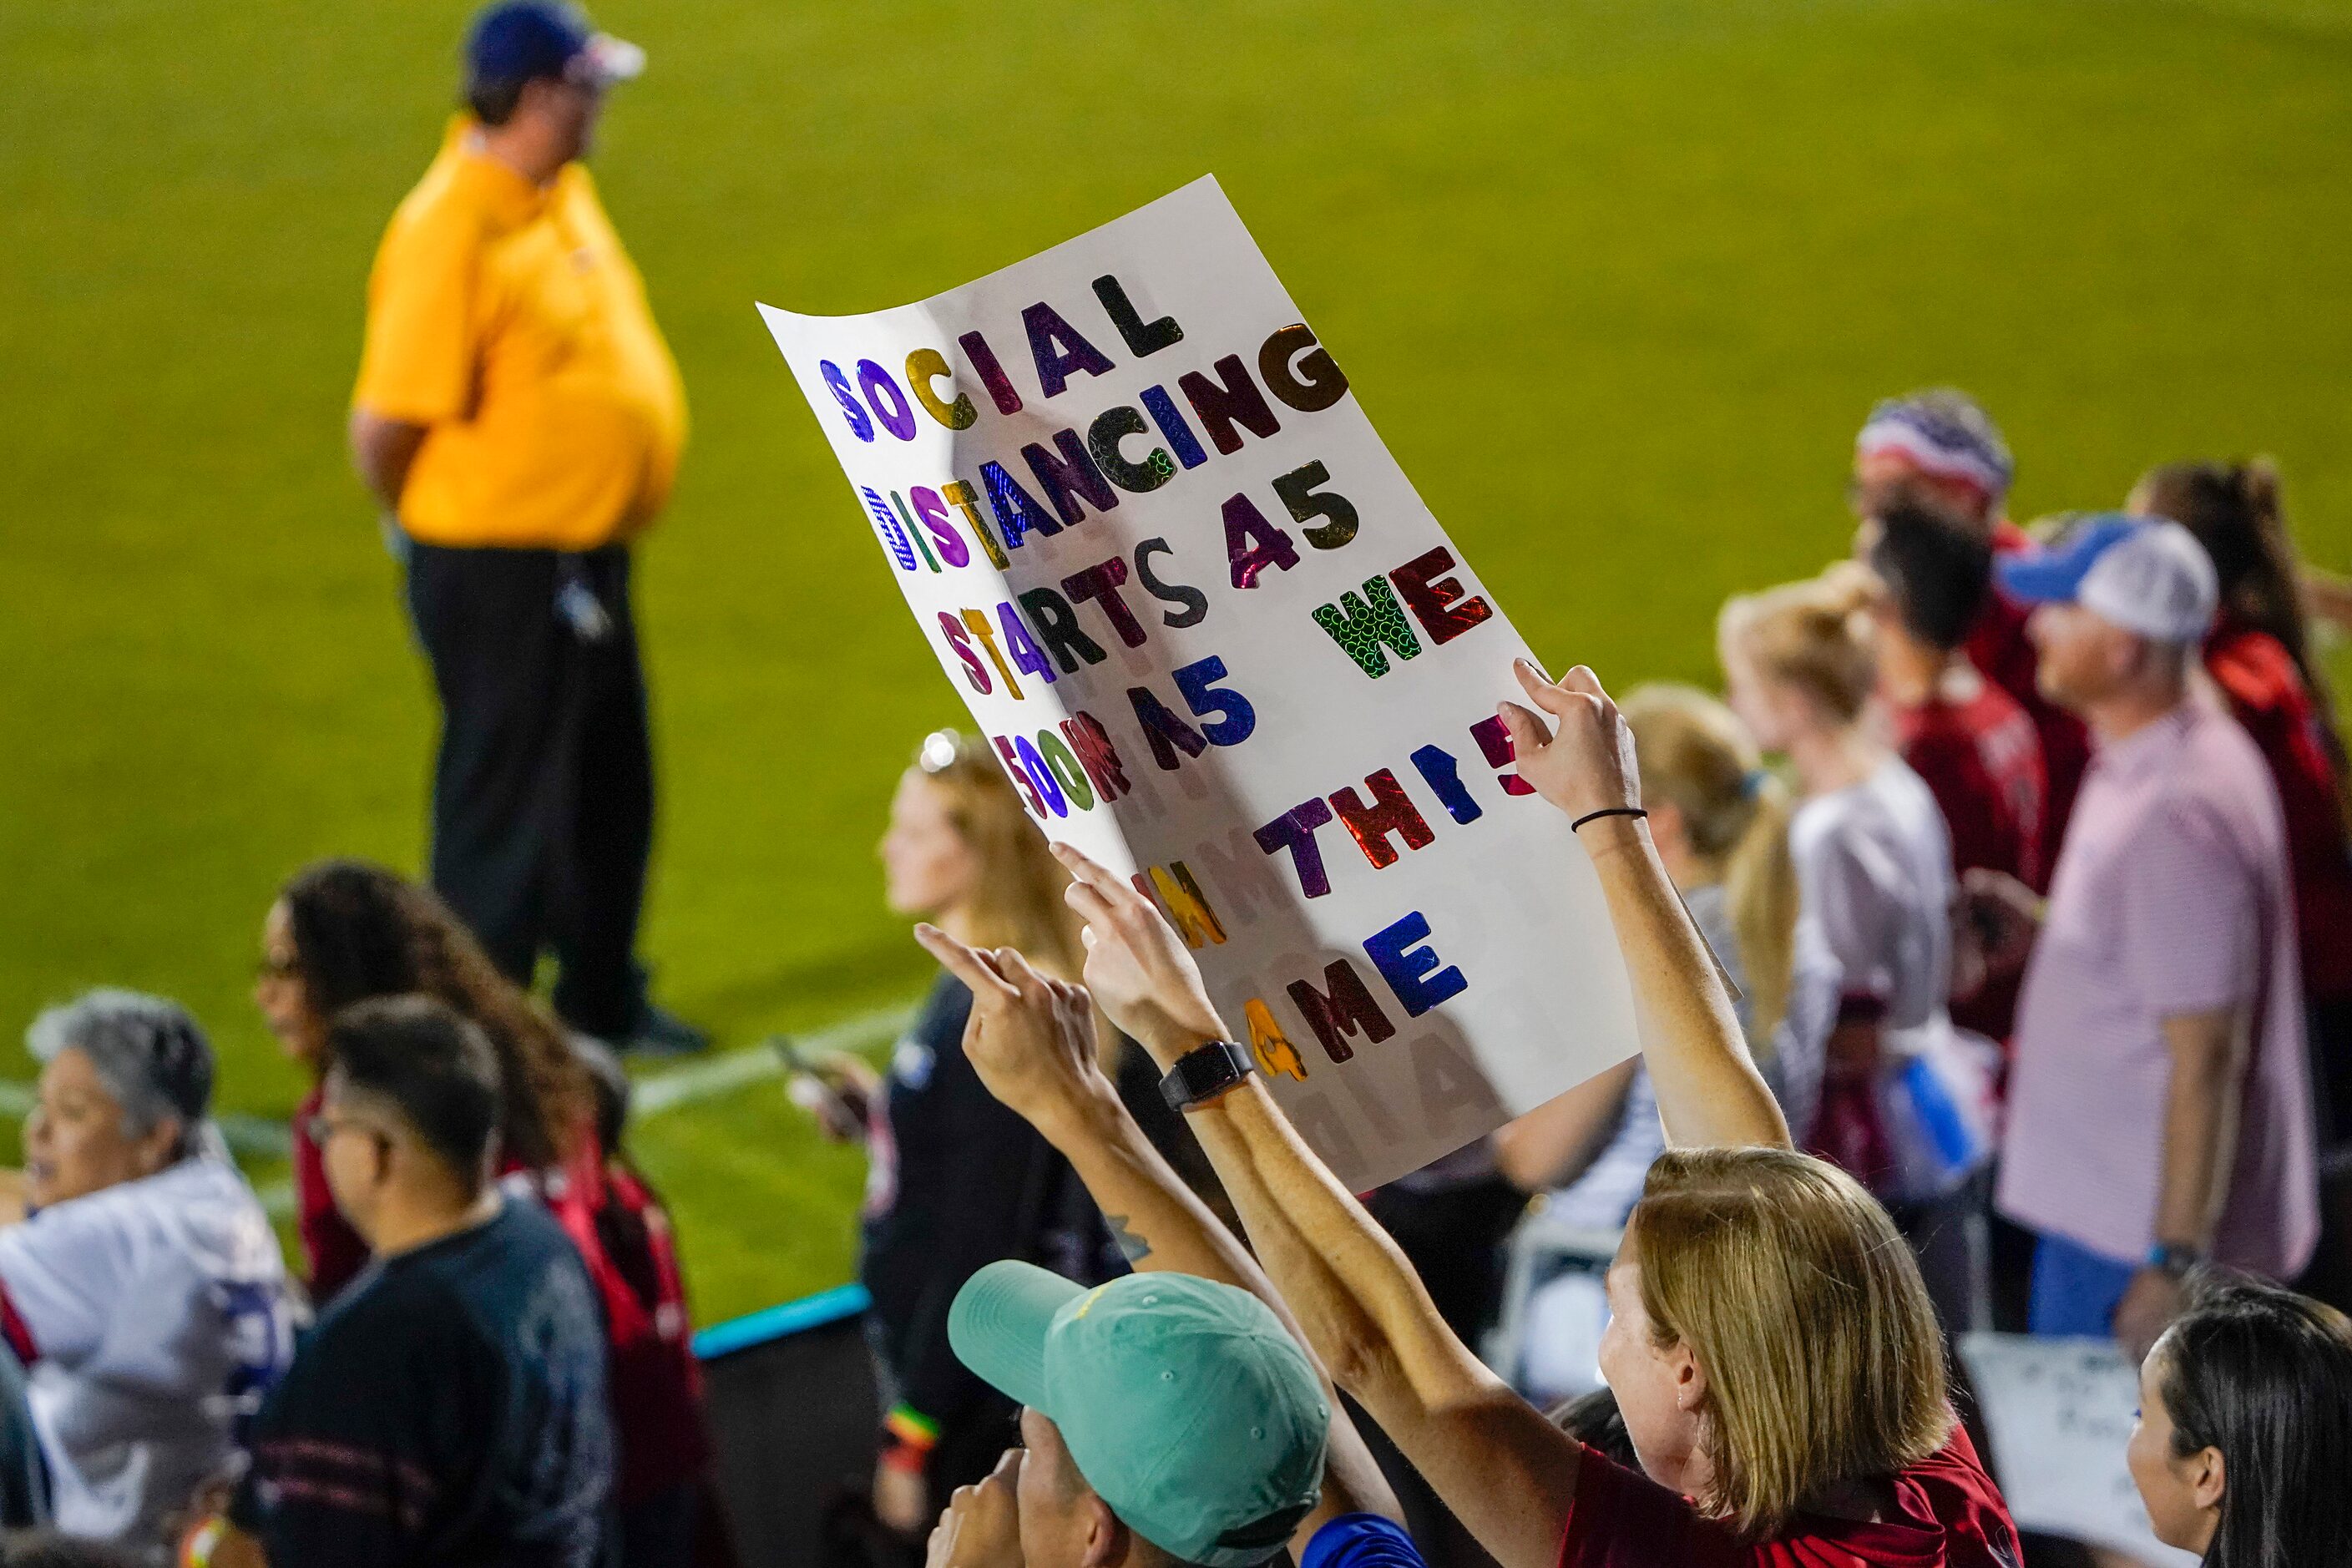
x,y
518,416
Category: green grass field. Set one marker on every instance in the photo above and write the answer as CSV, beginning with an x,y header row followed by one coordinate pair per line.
x,y
1615,279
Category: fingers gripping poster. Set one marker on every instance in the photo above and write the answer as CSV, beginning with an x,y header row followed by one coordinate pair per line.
x,y
1221,645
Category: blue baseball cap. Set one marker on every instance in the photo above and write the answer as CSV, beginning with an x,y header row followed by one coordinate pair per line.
x,y
518,40
2146,574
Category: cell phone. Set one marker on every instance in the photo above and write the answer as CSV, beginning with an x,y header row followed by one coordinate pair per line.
x,y
842,1111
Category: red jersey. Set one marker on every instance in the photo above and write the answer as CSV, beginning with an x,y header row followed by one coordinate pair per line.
x,y
1950,1515
2001,652
1981,759
656,1381
2268,697
653,1379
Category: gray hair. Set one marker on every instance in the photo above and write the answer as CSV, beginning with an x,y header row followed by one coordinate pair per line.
x,y
151,1054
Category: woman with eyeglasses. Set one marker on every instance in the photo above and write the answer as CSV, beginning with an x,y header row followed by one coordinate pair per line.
x,y
956,1180
342,931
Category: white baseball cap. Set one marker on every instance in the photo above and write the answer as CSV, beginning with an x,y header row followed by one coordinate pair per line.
x,y
2146,575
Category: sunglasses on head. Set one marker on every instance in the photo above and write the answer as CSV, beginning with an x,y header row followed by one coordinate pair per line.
x,y
942,750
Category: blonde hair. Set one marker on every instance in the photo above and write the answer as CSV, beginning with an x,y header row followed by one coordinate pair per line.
x,y
1791,1287
1814,636
1697,757
1016,898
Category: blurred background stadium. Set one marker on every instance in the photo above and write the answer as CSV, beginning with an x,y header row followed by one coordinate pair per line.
x,y
1616,281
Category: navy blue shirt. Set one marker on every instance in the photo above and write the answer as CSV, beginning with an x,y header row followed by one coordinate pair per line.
x,y
448,1409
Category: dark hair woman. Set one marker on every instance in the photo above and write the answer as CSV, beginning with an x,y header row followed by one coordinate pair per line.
x,y
2244,1439
2258,654
342,931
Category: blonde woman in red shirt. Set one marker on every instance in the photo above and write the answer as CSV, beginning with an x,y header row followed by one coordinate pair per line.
x,y
1773,1351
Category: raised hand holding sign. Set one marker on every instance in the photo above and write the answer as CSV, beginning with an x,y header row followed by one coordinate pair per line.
x,y
1222,647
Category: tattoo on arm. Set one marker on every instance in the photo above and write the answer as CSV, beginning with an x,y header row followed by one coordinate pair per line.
x,y
1132,1247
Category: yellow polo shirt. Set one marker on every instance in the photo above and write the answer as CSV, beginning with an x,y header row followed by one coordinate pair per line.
x,y
507,319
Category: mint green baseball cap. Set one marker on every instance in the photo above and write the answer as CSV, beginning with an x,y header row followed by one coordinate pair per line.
x,y
1185,1403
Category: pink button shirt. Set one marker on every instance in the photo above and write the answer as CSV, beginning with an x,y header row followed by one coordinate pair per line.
x,y
2170,897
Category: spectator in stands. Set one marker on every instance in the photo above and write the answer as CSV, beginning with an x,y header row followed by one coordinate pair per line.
x,y
1939,448
1736,1253
449,1407
1980,755
956,1180
1967,739
1906,1103
343,931
1165,1420
2159,1111
660,1371
2259,653
518,420
140,1281
1721,823
2244,1438
1031,1041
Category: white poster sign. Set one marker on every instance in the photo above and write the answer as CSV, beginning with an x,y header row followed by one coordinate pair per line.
x,y
2058,1413
1219,644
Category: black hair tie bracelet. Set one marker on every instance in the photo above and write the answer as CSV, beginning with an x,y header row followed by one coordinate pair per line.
x,y
1606,811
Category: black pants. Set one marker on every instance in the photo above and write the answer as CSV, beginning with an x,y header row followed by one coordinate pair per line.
x,y
543,786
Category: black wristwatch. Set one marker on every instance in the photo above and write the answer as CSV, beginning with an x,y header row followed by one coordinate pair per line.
x,y
1205,1072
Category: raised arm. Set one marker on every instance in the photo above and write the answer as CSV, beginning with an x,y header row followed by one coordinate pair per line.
x,y
1506,1473
1030,1037
1708,1085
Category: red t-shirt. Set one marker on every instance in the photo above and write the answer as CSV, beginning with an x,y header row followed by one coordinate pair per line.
x,y
2268,697
2001,650
1952,1516
1981,759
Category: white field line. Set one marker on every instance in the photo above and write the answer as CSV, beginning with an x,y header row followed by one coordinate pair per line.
x,y
731,1071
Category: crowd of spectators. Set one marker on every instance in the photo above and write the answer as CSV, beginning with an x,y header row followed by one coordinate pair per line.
x,y
494,1361
1951,1028
2009,854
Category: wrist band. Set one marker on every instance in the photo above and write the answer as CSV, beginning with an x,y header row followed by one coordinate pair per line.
x,y
910,1429
1606,811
